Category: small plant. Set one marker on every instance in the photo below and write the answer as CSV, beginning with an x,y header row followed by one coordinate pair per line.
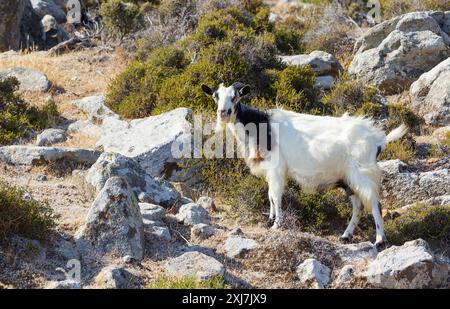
x,y
402,150
21,214
185,283
420,221
17,118
120,17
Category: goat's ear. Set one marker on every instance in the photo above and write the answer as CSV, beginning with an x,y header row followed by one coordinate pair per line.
x,y
244,90
207,90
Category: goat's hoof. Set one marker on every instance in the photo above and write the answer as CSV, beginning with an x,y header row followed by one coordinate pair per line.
x,y
381,245
276,226
345,239
270,222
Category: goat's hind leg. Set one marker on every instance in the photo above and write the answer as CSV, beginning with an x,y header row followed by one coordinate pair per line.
x,y
276,186
356,213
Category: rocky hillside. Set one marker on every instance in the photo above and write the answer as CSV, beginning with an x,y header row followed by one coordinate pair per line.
x,y
91,195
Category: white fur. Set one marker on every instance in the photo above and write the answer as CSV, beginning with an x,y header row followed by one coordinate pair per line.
x,y
319,151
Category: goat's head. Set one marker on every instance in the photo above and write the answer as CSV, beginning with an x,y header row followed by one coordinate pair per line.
x,y
227,100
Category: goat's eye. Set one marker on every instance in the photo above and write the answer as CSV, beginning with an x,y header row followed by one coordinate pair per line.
x,y
229,111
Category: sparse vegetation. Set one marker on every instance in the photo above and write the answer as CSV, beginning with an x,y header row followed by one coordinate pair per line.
x,y
392,8
420,221
183,283
120,18
17,118
21,214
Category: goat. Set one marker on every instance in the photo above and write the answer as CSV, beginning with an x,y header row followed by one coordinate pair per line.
x,y
315,151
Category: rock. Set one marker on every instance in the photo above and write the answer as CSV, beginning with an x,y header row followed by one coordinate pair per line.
x,y
441,134
149,140
63,285
357,252
114,222
314,273
50,137
237,246
192,214
152,150
393,54
152,212
48,7
157,231
431,95
207,203
321,62
236,232
202,231
113,277
30,80
112,164
52,33
410,266
195,264
345,275
411,187
35,155
11,13
325,82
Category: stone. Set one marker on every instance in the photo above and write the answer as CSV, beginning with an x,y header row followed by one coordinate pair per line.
x,y
52,32
411,266
321,62
411,187
237,246
152,150
157,231
394,54
35,155
345,275
313,273
63,285
207,203
48,7
30,80
195,264
192,214
324,82
158,191
113,277
50,137
357,252
152,212
11,13
41,178
431,95
114,222
202,231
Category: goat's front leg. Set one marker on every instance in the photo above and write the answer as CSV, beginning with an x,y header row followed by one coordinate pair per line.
x,y
276,186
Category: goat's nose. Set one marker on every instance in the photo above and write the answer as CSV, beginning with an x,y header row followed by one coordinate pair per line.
x,y
223,113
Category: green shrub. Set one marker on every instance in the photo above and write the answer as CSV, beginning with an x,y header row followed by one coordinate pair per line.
x,y
354,97
119,17
393,8
186,283
401,149
289,33
25,217
399,114
431,223
295,89
17,118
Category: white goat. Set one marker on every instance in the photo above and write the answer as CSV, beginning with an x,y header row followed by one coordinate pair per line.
x,y
315,151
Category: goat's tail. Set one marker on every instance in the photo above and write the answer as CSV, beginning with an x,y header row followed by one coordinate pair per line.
x,y
397,133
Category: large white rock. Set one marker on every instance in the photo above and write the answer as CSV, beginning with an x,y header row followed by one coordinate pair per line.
x,y
30,80
114,222
431,94
314,273
50,137
321,62
237,246
157,191
393,54
113,277
410,266
411,187
34,155
195,264
192,214
148,140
